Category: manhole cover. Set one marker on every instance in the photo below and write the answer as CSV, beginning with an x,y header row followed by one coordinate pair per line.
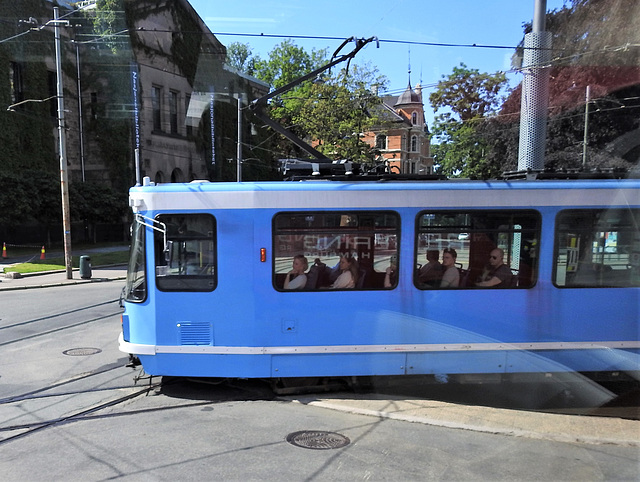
x,y
81,351
317,440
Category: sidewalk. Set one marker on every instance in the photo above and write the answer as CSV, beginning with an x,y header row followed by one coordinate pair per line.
x,y
59,278
518,423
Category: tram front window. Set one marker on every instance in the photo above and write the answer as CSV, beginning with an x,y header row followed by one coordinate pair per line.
x,y
136,287
187,261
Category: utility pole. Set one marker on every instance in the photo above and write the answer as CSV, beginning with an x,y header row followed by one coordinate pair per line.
x,y
64,185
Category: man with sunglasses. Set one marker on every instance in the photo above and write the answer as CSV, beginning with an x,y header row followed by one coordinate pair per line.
x,y
496,274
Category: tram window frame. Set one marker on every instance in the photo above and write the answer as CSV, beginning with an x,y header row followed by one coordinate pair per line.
x,y
601,266
382,230
178,250
480,229
136,284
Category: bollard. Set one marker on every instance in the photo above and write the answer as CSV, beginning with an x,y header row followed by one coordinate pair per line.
x,y
85,267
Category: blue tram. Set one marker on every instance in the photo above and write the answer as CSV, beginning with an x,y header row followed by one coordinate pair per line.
x,y
209,291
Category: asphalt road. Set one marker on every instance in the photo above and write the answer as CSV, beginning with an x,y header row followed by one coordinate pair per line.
x,y
70,409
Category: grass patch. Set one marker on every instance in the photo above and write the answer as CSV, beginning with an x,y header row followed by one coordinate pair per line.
x,y
97,259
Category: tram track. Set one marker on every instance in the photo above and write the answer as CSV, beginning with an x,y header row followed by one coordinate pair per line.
x,y
82,376
91,411
61,328
31,428
57,315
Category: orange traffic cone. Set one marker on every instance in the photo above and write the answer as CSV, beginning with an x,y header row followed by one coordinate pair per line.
x,y
42,253
4,250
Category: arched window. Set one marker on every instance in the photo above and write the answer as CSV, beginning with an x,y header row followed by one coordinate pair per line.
x,y
159,179
414,118
381,142
414,144
176,175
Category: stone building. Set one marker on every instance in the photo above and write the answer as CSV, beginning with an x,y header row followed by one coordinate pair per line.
x,y
143,78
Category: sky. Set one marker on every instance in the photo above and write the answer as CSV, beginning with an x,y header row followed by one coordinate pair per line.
x,y
466,22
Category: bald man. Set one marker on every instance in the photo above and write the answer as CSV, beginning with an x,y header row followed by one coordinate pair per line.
x,y
497,274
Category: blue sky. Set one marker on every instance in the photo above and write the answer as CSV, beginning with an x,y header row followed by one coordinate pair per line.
x,y
480,22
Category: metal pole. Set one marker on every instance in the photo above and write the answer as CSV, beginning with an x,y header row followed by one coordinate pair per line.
x,y
80,116
137,162
539,16
239,147
586,127
64,187
535,93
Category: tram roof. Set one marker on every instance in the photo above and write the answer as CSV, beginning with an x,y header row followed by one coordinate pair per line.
x,y
390,185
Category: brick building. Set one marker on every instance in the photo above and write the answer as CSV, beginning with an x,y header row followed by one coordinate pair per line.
x,y
403,141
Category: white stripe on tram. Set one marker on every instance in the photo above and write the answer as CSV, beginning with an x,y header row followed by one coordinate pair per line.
x,y
139,349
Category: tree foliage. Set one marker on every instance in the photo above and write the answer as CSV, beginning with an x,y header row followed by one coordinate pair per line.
x,y
331,111
469,97
39,197
27,132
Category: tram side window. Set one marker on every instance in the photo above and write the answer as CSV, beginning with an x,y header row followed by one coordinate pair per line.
x,y
188,260
136,286
369,239
597,248
468,240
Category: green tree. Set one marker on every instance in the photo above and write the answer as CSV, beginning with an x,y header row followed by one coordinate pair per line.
x,y
469,97
241,58
338,110
330,111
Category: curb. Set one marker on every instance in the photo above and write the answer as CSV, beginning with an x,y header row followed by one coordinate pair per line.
x,y
511,422
62,283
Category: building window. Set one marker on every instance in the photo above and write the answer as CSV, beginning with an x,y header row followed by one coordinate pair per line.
x,y
94,106
414,144
186,110
156,106
597,248
16,82
173,112
52,85
381,142
369,241
414,118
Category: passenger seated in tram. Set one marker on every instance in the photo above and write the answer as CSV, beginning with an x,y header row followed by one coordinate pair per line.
x,y
451,276
496,274
296,278
431,273
391,273
349,273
